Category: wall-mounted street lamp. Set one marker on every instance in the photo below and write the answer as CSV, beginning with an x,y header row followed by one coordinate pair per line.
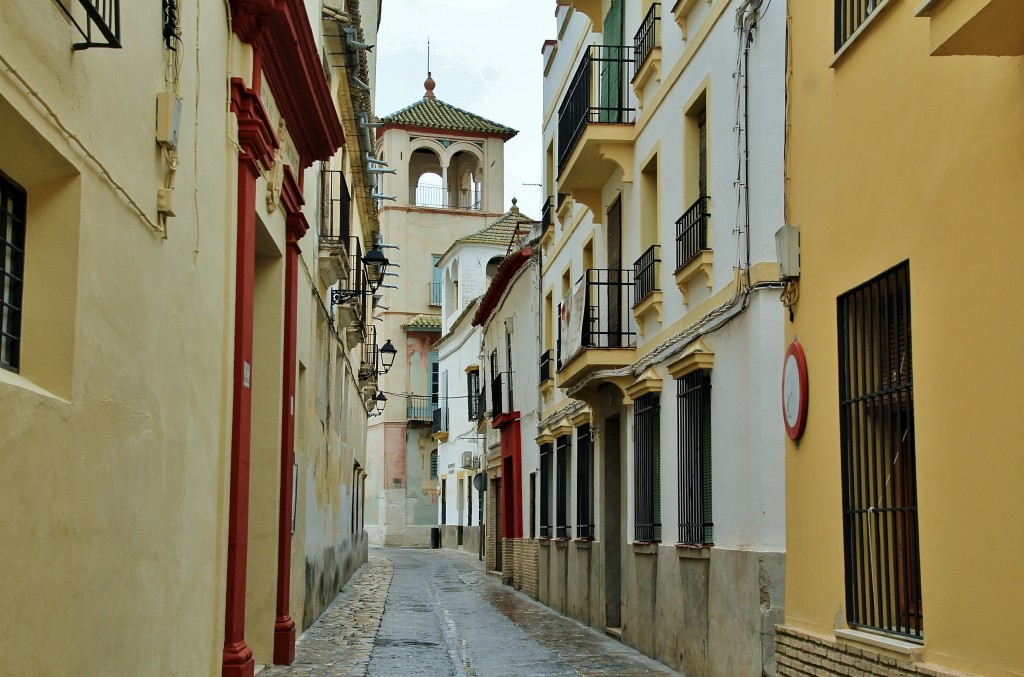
x,y
387,356
376,265
379,401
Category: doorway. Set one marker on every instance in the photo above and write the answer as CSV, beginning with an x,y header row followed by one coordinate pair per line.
x,y
611,521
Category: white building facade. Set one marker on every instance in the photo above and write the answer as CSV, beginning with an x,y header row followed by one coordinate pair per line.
x,y
661,490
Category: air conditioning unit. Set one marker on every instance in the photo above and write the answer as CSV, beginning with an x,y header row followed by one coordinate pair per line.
x,y
467,459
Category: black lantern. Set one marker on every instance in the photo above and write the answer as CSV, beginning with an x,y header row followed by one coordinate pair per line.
x,y
379,400
376,265
387,355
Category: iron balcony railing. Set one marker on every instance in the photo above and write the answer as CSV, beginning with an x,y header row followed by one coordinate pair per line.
x,y
646,38
97,21
335,201
440,423
692,232
851,15
607,322
444,198
481,402
434,289
646,274
501,394
420,408
599,92
545,366
547,213
369,363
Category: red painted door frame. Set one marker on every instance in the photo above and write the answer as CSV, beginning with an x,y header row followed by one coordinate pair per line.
x,y
512,457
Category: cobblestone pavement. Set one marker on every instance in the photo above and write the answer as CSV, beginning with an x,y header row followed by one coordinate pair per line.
x,y
446,617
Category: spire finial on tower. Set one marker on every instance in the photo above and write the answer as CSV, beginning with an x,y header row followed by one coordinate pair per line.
x,y
429,84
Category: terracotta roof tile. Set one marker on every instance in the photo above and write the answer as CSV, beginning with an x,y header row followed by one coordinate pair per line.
x,y
436,114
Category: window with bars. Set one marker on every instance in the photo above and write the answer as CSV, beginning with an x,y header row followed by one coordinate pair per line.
x,y
879,482
563,448
584,484
433,465
693,401
12,270
851,15
545,490
435,379
647,467
533,505
473,398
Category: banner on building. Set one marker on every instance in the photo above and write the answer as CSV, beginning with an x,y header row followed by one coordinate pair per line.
x,y
571,315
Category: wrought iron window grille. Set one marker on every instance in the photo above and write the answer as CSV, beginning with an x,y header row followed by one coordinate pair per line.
x,y
693,402
646,274
13,201
647,468
692,232
440,420
584,484
563,446
878,451
546,453
545,366
97,21
851,15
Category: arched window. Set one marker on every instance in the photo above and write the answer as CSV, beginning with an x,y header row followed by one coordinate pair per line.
x,y
426,187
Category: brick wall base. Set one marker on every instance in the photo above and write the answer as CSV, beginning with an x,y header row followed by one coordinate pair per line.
x,y
803,654
490,510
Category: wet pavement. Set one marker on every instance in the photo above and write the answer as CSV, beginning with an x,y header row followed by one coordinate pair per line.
x,y
445,617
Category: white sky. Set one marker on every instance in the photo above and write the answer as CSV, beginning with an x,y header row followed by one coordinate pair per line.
x,y
485,56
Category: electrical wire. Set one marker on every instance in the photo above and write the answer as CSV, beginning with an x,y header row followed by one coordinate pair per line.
x,y
73,138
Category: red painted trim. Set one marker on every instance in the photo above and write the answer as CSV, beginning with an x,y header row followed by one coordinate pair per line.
x,y
797,351
502,277
292,201
280,32
256,133
284,626
237,656
440,133
512,479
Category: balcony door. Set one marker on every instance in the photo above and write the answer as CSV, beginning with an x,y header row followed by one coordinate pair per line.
x,y
611,65
614,286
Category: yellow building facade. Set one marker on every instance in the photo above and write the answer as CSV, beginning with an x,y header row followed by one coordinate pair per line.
x,y
904,176
182,407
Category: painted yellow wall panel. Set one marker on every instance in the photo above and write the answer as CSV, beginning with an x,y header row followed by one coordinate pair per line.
x,y
897,155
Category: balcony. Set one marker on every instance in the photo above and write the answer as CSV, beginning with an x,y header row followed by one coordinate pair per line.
x,y
481,405
351,314
439,427
647,52
334,228
974,27
438,197
434,290
369,359
595,123
693,253
502,401
601,334
420,408
97,21
647,285
545,366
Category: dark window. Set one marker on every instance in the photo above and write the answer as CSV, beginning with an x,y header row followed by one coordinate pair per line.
x,y
444,501
473,394
584,484
694,408
647,467
563,447
876,409
12,270
533,505
545,490
435,379
433,465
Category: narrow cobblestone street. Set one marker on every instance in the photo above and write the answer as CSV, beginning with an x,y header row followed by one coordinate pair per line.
x,y
436,612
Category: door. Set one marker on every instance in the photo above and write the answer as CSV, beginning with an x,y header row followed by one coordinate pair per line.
x,y
610,64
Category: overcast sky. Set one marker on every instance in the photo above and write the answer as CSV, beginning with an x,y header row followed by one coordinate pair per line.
x,y
485,56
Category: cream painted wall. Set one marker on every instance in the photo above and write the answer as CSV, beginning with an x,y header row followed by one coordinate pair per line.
x,y
937,183
113,469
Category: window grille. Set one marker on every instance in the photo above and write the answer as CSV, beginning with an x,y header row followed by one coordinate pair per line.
x,y
545,490
584,484
433,466
473,399
647,467
12,270
97,21
694,410
851,15
562,451
879,483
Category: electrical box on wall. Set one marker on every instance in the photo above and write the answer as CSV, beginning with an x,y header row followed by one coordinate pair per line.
x,y
787,248
168,119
